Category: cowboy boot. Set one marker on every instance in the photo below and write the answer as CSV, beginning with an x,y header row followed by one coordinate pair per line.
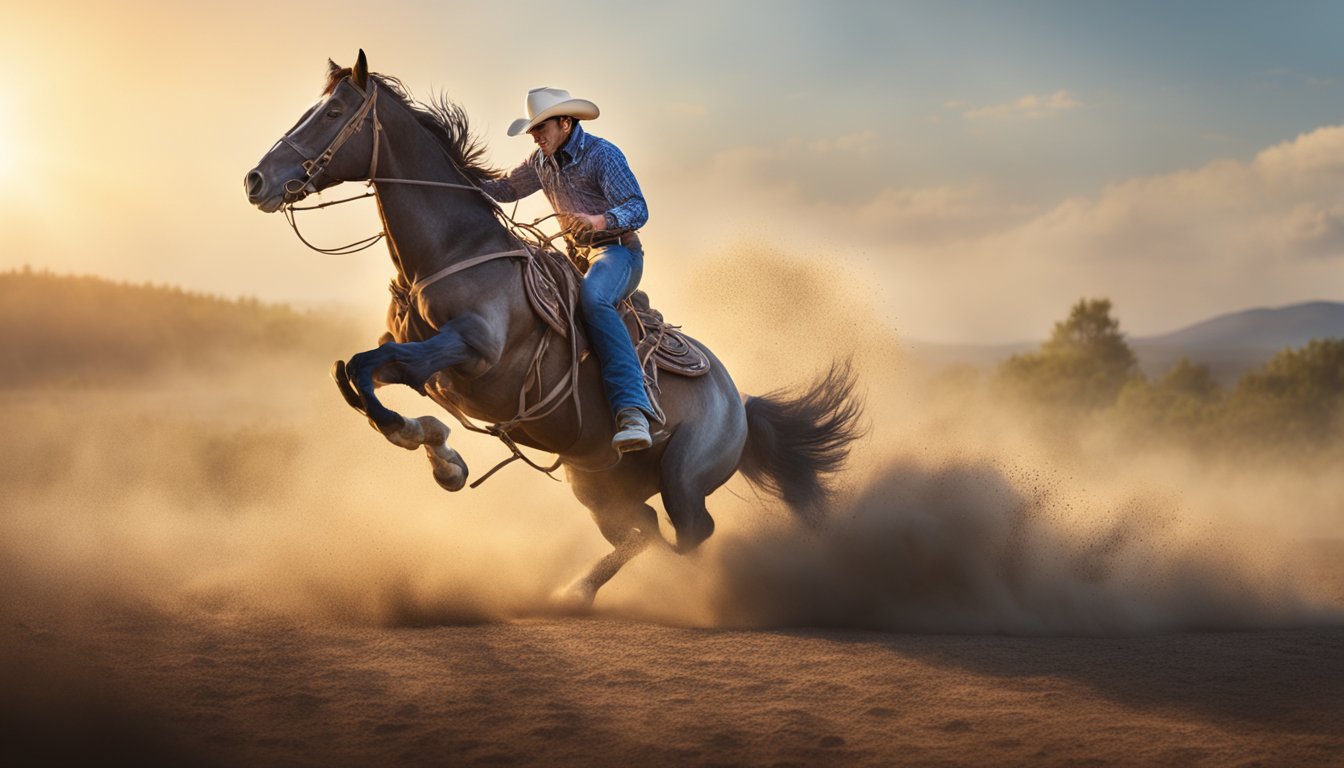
x,y
632,431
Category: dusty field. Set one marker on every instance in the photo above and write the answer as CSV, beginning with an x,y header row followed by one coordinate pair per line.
x,y
243,574
272,691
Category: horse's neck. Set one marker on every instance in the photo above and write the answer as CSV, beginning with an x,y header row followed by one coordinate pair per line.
x,y
428,227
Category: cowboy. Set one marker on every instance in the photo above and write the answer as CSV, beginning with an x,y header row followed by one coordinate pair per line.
x,y
597,199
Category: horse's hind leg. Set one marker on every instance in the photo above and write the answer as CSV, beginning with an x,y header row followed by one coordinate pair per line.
x,y
630,528
694,464
686,509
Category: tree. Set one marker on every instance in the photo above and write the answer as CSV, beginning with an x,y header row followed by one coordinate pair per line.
x,y
1294,400
1084,364
1180,405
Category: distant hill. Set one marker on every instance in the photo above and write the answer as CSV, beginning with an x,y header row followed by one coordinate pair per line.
x,y
66,330
1229,344
1266,329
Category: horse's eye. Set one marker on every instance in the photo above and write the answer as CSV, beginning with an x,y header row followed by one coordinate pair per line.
x,y
333,113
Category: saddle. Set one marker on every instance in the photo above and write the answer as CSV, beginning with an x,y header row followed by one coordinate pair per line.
x,y
552,282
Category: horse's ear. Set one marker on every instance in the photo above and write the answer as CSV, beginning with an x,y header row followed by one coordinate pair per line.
x,y
360,74
332,68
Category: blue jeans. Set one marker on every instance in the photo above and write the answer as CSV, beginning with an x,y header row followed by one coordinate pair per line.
x,y
613,274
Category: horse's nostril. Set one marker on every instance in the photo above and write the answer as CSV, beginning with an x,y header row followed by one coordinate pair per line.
x,y
253,182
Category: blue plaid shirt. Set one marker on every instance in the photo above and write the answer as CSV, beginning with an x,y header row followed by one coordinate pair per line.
x,y
587,175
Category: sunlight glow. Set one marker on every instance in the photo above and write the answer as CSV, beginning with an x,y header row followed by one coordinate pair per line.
x,y
9,149
14,145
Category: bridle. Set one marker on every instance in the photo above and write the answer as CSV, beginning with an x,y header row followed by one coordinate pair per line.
x,y
314,167
529,234
317,166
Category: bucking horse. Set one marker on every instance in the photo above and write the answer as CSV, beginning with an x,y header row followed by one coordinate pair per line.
x,y
466,329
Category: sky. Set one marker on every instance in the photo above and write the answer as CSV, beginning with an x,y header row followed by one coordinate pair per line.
x,y
968,169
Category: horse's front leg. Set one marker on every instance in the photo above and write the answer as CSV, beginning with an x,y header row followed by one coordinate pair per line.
x,y
412,364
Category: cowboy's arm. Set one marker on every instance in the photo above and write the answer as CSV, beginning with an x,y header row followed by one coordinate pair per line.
x,y
514,185
628,209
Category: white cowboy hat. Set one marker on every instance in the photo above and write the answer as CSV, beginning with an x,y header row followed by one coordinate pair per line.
x,y
544,103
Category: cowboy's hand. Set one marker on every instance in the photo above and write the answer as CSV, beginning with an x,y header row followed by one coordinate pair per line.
x,y
584,222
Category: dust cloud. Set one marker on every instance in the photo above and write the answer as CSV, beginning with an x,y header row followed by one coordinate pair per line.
x,y
256,490
961,515
221,496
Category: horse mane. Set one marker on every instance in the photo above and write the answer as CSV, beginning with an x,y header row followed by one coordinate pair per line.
x,y
445,121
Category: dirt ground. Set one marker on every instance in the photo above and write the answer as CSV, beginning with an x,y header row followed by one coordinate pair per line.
x,y
193,580
252,690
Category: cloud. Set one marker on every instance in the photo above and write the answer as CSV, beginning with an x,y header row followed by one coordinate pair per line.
x,y
794,175
1030,106
1169,249
863,142
938,214
975,262
1282,205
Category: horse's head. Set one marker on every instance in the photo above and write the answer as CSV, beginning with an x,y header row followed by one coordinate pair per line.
x,y
326,146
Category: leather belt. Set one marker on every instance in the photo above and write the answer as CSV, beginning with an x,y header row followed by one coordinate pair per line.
x,y
627,239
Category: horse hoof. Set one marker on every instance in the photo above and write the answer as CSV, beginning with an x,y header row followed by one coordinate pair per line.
x,y
694,535
342,379
450,478
577,598
450,471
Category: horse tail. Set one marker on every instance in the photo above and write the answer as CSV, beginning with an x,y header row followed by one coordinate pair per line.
x,y
796,439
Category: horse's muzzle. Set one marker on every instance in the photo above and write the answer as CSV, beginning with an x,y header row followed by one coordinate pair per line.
x,y
265,196
254,183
